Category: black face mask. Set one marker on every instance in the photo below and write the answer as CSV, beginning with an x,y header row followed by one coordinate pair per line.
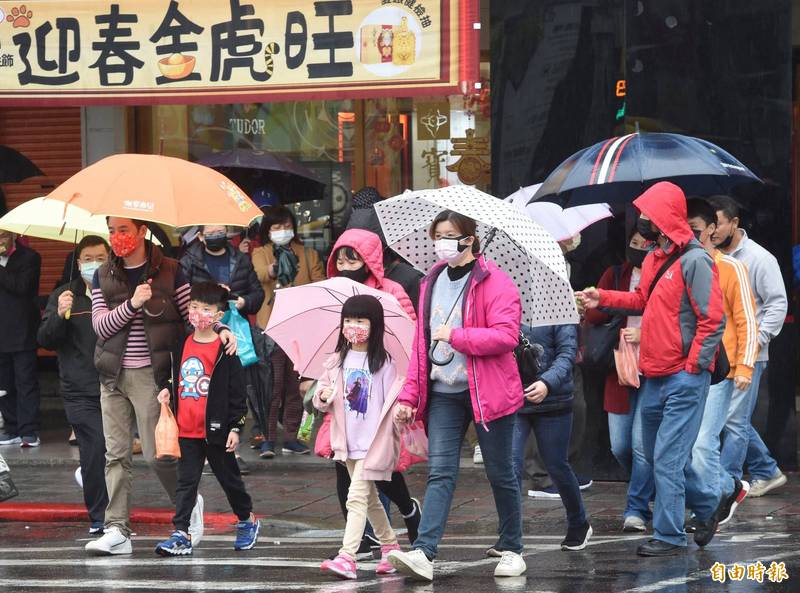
x,y
636,256
697,234
216,242
727,242
644,228
359,275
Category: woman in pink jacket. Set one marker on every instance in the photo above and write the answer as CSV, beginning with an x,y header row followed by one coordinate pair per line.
x,y
473,375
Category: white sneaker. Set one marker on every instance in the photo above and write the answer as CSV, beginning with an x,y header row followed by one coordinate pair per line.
x,y
761,487
112,542
79,477
511,565
196,526
414,564
477,456
634,524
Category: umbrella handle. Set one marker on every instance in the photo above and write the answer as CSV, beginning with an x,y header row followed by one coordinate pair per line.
x,y
439,363
68,314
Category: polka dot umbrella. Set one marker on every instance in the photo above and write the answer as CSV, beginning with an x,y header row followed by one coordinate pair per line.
x,y
520,247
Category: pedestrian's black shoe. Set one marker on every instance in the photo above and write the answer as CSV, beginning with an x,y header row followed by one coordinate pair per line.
x,y
577,538
366,551
691,525
705,531
412,521
656,547
740,491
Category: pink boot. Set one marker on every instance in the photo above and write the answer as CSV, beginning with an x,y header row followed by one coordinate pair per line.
x,y
384,566
342,566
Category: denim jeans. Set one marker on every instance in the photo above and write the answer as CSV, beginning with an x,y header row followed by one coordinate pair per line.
x,y
449,414
741,441
625,432
552,434
705,482
672,408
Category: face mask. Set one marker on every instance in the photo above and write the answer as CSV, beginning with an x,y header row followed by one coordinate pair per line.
x,y
449,250
726,242
359,275
281,237
355,333
201,320
123,244
216,241
645,229
635,256
88,269
697,234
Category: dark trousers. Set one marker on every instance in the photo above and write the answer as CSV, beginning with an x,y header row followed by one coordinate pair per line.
x,y
20,406
190,469
86,419
286,395
552,432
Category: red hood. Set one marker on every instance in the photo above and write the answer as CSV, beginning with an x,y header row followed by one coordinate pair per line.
x,y
665,205
369,248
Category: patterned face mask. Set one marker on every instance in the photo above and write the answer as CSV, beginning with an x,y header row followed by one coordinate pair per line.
x,y
355,333
123,244
201,320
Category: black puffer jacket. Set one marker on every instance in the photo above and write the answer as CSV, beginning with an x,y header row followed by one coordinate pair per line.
x,y
244,282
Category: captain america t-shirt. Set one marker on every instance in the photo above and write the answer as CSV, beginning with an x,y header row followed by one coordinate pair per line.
x,y
197,365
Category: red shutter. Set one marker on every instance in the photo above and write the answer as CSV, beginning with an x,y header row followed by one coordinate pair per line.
x,y
51,138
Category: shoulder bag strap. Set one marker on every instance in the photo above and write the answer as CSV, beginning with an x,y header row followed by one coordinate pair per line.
x,y
676,255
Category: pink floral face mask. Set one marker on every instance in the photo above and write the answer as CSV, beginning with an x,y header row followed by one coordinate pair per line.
x,y
201,320
355,333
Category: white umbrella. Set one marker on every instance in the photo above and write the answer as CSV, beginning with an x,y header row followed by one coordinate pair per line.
x,y
45,218
562,223
522,248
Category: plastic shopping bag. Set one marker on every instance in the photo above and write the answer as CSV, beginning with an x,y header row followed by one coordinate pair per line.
x,y
626,358
167,435
240,328
415,439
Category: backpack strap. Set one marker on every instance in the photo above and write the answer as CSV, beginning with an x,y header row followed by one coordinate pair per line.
x,y
676,255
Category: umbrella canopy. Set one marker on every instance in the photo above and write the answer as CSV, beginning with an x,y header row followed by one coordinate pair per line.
x,y
158,189
257,169
50,219
305,322
15,166
522,248
621,168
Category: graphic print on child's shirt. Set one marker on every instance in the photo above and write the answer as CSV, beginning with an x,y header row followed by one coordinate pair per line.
x,y
358,387
194,379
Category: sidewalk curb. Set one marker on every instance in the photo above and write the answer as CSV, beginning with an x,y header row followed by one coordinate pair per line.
x,y
62,512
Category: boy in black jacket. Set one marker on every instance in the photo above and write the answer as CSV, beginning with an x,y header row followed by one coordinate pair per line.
x,y
210,409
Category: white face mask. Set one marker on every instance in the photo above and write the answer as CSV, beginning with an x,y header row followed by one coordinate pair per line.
x,y
281,237
448,250
88,269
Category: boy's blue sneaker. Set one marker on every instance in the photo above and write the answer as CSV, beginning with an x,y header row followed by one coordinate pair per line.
x,y
178,544
246,534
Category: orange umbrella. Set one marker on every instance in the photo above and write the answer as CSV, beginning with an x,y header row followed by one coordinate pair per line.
x,y
158,189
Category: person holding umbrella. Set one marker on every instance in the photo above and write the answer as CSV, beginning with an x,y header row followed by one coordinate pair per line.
x,y
472,374
139,308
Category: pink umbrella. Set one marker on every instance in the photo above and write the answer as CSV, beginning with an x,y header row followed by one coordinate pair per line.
x,y
305,323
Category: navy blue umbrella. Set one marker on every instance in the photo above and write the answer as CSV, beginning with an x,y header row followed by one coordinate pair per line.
x,y
621,168
254,170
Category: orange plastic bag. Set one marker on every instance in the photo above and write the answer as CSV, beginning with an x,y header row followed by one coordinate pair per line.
x,y
626,359
167,435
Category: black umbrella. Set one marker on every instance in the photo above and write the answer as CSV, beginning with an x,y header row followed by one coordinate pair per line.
x,y
254,169
15,166
621,168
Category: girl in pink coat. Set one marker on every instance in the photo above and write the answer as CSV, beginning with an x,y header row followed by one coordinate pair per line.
x,y
359,391
471,375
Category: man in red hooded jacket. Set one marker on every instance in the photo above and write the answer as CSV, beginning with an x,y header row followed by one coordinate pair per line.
x,y
680,301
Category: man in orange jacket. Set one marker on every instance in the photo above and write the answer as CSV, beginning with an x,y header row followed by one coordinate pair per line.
x,y
706,484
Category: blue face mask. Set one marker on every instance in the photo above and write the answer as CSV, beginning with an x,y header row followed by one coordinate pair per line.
x,y
88,269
